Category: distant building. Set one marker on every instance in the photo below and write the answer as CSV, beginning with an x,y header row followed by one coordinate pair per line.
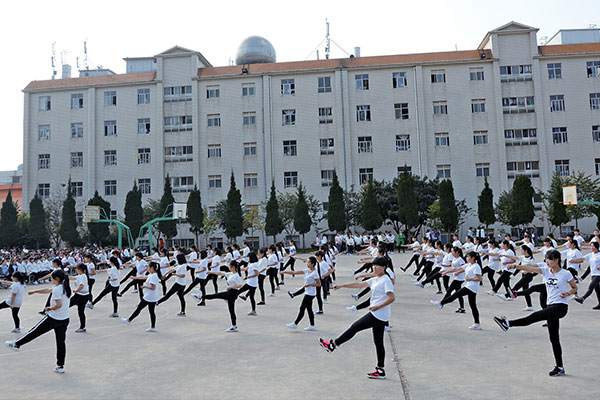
x,y
11,180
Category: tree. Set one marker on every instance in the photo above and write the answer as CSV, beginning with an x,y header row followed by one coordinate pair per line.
x,y
134,213
286,202
302,221
53,208
426,191
211,224
99,232
9,234
68,224
553,205
336,218
167,228
587,189
38,221
234,218
503,208
522,210
387,199
273,223
485,205
448,209
253,220
407,201
353,207
371,215
195,213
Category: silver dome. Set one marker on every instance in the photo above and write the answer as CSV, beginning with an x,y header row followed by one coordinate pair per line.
x,y
255,50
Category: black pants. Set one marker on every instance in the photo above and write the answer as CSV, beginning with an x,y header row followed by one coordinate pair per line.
x,y
46,325
365,267
306,305
129,275
490,274
524,284
135,283
574,272
319,299
325,284
503,280
176,288
415,259
419,266
434,275
15,313
192,271
455,286
213,278
594,286
446,282
79,301
365,322
91,283
113,290
586,273
163,282
197,281
364,291
230,296
471,296
251,291
427,266
151,308
290,263
261,286
540,288
552,315
272,273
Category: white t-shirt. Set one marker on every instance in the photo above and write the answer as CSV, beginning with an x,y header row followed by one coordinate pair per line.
x,y
292,251
593,259
181,270
456,243
114,273
58,293
236,255
494,260
89,270
252,269
202,265
17,289
579,239
469,246
503,259
447,260
416,246
373,252
233,279
556,283
82,280
152,295
545,249
324,267
215,263
140,267
193,256
572,254
380,287
262,266
245,252
310,278
164,265
471,271
273,263
458,262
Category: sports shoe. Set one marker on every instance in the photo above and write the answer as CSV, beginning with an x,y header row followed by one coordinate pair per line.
x,y
196,296
201,304
81,330
59,369
310,328
437,304
89,305
377,374
354,296
319,312
387,329
232,329
475,327
419,284
439,292
126,321
181,314
325,301
243,297
502,323
16,330
113,315
460,310
557,371
578,299
501,296
596,308
278,288
42,312
252,313
261,303
292,325
352,309
290,293
272,294
151,330
491,293
134,291
327,345
11,345
528,309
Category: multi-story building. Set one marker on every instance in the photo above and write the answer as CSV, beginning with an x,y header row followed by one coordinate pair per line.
x,y
508,107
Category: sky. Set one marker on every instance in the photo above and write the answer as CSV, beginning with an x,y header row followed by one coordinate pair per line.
x,y
132,28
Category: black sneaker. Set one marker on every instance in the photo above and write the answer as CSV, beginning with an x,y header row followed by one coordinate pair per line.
x,y
290,293
42,312
460,311
377,374
557,371
327,345
502,323
319,312
596,308
578,299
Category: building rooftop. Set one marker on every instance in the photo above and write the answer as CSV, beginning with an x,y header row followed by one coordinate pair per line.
x,y
92,80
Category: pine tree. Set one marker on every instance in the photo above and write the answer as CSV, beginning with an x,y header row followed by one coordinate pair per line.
x,y
9,234
407,201
234,216
38,228
68,225
302,221
485,205
167,228
557,211
195,213
448,209
371,215
336,215
99,232
134,212
273,223
522,211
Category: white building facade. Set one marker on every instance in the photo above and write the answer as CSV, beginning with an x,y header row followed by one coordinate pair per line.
x,y
507,108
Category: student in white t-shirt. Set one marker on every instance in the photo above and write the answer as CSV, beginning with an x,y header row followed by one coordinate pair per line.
x,y
415,246
251,282
292,256
215,265
526,277
382,295
311,282
81,295
192,257
272,269
560,284
56,319
150,298
244,259
112,286
15,298
493,261
178,287
90,263
201,277
234,284
593,259
263,265
505,254
140,266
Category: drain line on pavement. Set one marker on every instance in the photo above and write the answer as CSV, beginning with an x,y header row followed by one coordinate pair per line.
x,y
397,360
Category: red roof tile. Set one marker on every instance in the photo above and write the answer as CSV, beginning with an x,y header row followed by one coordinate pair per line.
x,y
579,48
92,80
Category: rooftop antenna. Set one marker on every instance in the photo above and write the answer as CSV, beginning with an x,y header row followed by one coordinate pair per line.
x,y
53,60
77,61
327,40
85,56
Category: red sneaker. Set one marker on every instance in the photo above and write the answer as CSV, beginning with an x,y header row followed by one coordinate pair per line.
x,y
327,345
377,374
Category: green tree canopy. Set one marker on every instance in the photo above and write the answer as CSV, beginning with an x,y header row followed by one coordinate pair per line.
x,y
234,217
407,201
273,224
485,205
302,221
167,228
68,225
336,218
99,232
134,213
371,215
553,202
448,208
38,222
9,234
195,213
522,210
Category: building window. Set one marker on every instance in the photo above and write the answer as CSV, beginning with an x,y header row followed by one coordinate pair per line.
x,y
178,124
143,126
110,157
520,137
76,101
594,101
363,113
44,132
516,105
212,92
559,135
178,93
77,129
438,76
214,181
327,177
440,107
529,168
557,103
399,80
113,214
476,74
212,211
144,185
404,169
214,151
178,154
365,175
290,148
249,118
596,133
443,171
43,161
325,115
555,71
182,184
110,128
247,89
515,73
214,120
324,84
77,189
43,190
442,139
249,149
478,105
143,156
365,144
402,142
562,167
401,110
45,103
593,69
77,159
143,96
250,180
288,117
482,169
110,188
290,179
597,165
480,137
110,98
362,81
326,146
288,86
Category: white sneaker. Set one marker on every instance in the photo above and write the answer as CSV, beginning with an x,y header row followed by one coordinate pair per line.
x,y
125,321
134,291
292,325
59,370
89,305
507,298
325,301
490,293
232,329
436,303
196,296
310,328
113,315
151,330
475,327
351,272
354,296
528,309
16,330
501,296
272,295
181,314
419,284
387,329
352,309
11,345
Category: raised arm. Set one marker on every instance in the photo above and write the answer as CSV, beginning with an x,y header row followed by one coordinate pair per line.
x,y
526,268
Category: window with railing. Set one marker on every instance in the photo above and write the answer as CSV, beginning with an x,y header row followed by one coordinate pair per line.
x,y
178,154
365,175
596,133
399,80
476,74
77,159
77,129
562,167
515,73
182,184
288,86
214,182
517,105
327,177
326,146
288,117
593,69
443,171
144,185
325,115
143,126
480,137
559,135
110,157
213,120
520,137
557,103
440,108
178,123
290,179
442,139
365,144
143,156
110,188
43,161
363,113
250,180
249,149
178,93
214,151
482,169
403,142
594,101
401,110
362,81
555,71
438,76
529,168
290,148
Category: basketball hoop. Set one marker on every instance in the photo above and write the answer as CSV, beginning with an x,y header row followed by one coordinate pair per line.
x,y
90,213
179,211
570,195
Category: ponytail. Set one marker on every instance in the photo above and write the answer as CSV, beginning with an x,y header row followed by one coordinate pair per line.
x,y
527,250
475,256
62,278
